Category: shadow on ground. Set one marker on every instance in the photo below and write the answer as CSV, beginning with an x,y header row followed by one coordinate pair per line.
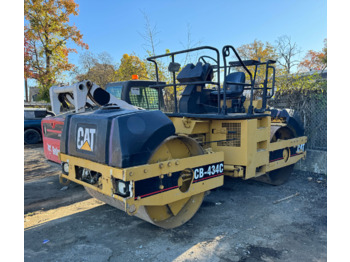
x,y
237,222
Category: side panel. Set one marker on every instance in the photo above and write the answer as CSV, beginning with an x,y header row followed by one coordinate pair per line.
x,y
52,149
51,134
245,143
232,140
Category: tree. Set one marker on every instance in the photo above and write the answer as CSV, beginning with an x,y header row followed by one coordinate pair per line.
x,y
28,54
48,30
287,52
257,51
189,45
151,41
150,35
324,49
304,82
131,65
301,83
314,60
99,69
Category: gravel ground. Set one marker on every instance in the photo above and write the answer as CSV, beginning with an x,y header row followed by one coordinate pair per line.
x,y
237,222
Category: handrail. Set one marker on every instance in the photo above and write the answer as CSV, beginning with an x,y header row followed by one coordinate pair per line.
x,y
265,96
273,82
186,51
172,54
226,53
156,65
187,83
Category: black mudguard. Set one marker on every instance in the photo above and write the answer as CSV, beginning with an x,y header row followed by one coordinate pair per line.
x,y
292,119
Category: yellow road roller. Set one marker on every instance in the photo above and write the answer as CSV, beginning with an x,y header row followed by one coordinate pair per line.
x,y
158,165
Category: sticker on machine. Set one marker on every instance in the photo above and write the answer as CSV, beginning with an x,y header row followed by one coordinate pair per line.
x,y
208,171
150,186
86,138
135,91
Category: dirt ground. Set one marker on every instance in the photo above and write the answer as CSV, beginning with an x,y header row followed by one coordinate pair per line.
x,y
237,222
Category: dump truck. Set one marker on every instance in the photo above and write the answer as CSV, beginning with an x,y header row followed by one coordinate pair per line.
x,y
159,165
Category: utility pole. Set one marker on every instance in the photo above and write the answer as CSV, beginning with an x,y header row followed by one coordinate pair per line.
x,y
26,88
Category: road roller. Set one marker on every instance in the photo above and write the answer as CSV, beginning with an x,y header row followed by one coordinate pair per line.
x,y
158,165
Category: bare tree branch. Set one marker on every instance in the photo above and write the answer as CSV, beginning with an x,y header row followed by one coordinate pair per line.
x,y
150,35
287,52
190,44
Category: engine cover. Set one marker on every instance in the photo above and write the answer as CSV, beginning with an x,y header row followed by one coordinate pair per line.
x,y
116,137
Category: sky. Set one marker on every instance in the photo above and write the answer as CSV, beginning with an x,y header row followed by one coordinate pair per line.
x,y
116,26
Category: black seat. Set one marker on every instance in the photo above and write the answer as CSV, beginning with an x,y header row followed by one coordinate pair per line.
x,y
194,95
198,73
233,90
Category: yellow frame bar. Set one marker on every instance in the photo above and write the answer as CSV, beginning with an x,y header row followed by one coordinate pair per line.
x,y
142,172
287,143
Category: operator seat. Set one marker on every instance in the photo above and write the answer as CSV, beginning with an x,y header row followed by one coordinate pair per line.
x,y
234,92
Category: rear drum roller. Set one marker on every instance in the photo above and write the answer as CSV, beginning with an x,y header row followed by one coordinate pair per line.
x,y
176,213
279,176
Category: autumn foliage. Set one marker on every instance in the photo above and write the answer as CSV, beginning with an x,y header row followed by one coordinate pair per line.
x,y
46,33
315,60
28,55
257,51
131,65
312,61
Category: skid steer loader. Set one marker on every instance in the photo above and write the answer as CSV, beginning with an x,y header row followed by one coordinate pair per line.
x,y
158,166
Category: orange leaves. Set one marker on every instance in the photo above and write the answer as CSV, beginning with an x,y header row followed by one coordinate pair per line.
x,y
28,55
314,60
48,29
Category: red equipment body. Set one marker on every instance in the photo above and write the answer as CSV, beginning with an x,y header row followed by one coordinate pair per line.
x,y
51,133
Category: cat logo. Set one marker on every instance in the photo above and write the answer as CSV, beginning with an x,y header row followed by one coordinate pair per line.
x,y
85,138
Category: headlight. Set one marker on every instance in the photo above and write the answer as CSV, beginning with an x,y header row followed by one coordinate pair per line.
x,y
122,188
65,168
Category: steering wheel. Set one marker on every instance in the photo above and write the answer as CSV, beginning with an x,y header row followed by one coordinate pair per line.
x,y
214,67
205,56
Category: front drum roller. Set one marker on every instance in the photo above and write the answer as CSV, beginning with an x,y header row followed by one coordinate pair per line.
x,y
176,213
279,176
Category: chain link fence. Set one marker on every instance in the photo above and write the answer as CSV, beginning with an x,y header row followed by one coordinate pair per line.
x,y
312,109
